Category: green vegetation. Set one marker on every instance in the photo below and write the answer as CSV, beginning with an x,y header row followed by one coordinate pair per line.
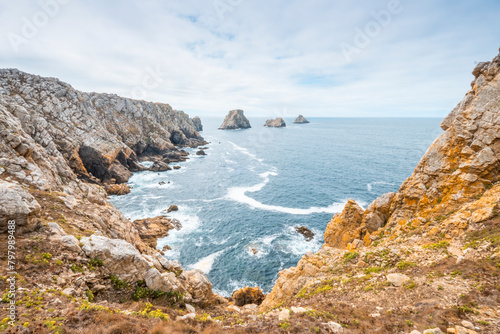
x,y
438,245
117,283
95,262
403,265
349,256
90,295
77,268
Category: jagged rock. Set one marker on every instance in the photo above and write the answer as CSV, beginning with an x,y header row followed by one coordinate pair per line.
x,y
150,229
377,212
334,327
199,287
275,123
117,189
307,233
170,265
120,257
163,281
18,205
301,120
177,167
71,243
201,152
235,120
197,124
159,166
248,295
173,208
345,227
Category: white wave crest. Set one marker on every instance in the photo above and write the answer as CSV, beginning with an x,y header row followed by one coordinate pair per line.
x,y
238,194
206,263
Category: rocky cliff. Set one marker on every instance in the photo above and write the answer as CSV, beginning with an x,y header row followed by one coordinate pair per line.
x,y
59,148
235,119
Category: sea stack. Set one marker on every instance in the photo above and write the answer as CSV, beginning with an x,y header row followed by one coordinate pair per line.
x,y
275,123
235,120
301,120
197,124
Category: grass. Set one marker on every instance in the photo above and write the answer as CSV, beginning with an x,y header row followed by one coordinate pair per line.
x,y
403,265
349,256
117,283
438,245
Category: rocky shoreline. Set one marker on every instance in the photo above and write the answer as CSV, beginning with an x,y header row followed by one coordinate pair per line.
x,y
423,260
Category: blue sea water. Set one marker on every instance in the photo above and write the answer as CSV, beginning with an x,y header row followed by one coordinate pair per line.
x,y
255,186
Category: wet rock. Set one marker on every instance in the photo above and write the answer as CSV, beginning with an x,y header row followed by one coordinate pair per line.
x,y
159,166
235,120
151,229
173,208
201,152
301,120
117,189
307,233
248,295
275,123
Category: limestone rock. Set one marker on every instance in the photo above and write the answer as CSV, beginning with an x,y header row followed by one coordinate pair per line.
x,y
301,120
197,124
433,331
199,287
397,279
275,123
284,315
235,120
18,205
333,327
71,243
248,295
120,257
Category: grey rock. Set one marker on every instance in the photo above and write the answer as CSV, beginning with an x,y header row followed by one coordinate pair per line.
x,y
18,205
197,124
275,123
301,120
71,243
190,308
235,120
433,331
397,279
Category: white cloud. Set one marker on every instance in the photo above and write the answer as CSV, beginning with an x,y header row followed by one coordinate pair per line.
x,y
264,57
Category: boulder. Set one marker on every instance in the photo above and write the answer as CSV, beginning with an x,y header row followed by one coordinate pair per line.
x,y
197,124
159,166
275,123
235,120
18,205
117,189
201,152
248,295
118,256
307,233
199,287
173,208
397,279
301,120
71,243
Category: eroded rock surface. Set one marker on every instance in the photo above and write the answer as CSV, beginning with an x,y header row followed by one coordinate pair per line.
x,y
235,120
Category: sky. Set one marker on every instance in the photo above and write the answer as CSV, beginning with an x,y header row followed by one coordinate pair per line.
x,y
320,58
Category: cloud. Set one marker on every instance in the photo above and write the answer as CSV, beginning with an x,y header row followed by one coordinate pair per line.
x,y
263,57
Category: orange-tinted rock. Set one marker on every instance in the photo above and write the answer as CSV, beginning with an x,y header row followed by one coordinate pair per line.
x,y
345,227
248,295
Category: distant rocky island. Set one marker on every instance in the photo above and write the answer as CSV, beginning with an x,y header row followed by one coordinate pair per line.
x,y
235,120
301,120
275,123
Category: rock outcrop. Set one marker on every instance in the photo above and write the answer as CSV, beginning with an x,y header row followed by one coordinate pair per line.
x,y
152,229
248,295
275,123
99,136
301,120
235,120
197,124
307,233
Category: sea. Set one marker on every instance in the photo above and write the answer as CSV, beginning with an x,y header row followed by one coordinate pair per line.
x,y
239,205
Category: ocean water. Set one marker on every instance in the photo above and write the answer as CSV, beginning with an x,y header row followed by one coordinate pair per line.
x,y
255,186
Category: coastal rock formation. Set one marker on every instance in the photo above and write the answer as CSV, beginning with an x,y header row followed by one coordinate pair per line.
x,y
275,123
235,120
117,189
197,124
151,229
444,218
18,205
301,120
307,233
99,136
248,295
159,166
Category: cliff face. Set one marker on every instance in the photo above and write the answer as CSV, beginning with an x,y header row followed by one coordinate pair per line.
x,y
443,219
99,136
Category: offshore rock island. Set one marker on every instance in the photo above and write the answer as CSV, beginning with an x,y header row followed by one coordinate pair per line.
x,y
424,259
